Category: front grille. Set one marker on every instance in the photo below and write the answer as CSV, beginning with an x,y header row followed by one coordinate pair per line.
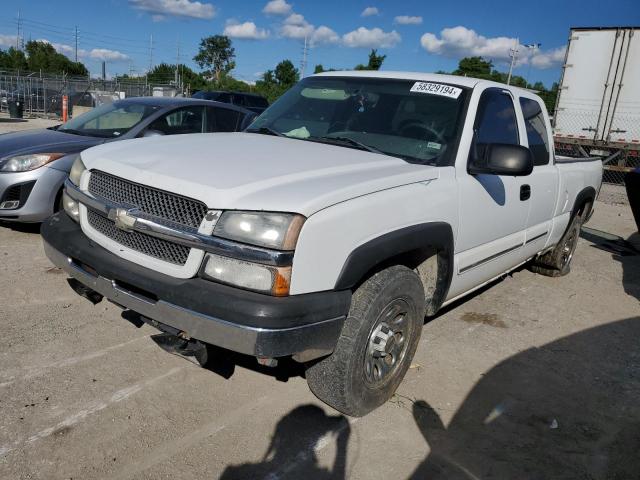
x,y
152,246
165,205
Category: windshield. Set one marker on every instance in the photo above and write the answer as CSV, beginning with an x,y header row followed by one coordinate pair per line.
x,y
416,121
109,120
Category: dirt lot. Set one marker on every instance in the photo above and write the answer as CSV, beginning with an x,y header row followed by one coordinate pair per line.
x,y
531,378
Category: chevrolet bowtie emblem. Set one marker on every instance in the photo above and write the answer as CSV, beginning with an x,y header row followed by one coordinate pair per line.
x,y
123,218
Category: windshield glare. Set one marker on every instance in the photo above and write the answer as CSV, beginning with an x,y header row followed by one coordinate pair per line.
x,y
383,114
109,120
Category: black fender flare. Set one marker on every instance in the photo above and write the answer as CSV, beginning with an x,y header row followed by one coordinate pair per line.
x,y
426,238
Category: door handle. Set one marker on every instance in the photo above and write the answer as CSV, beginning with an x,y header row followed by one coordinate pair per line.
x,y
525,192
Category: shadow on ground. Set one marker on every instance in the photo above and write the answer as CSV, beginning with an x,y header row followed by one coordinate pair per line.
x,y
567,410
624,251
21,227
224,362
291,452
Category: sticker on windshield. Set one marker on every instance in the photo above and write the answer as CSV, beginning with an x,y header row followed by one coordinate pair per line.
x,y
434,145
436,89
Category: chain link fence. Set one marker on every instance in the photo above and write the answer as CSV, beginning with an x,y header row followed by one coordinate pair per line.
x,y
617,162
41,95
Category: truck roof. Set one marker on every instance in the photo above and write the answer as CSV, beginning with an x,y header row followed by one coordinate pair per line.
x,y
418,76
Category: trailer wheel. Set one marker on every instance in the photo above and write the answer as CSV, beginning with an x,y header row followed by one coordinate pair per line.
x,y
557,262
376,346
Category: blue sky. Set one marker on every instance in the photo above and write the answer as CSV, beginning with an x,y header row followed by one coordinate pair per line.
x,y
417,35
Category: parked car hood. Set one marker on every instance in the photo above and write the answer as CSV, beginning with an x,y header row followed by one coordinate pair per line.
x,y
44,140
249,171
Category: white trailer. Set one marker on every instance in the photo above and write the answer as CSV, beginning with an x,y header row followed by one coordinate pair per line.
x,y
598,106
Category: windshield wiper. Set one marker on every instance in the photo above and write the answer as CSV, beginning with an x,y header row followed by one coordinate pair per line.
x,y
74,132
351,142
266,131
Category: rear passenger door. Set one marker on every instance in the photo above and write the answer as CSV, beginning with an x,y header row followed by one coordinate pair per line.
x,y
543,181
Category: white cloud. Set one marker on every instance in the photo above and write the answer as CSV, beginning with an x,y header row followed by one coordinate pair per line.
x,y
548,59
374,38
295,19
7,41
107,55
176,8
295,26
277,7
370,12
324,34
297,31
407,20
246,30
459,42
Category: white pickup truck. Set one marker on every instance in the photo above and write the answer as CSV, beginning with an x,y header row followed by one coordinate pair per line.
x,y
354,206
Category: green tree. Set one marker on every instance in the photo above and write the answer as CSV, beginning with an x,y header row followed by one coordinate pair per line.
x,y
319,68
41,56
216,55
286,74
166,73
476,67
549,97
13,59
375,61
275,82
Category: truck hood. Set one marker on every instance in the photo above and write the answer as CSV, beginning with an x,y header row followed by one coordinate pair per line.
x,y
248,171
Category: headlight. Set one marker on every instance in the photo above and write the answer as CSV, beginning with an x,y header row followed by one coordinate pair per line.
x,y
77,170
252,276
24,163
271,230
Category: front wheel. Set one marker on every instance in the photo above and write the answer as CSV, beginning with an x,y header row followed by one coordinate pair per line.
x,y
376,346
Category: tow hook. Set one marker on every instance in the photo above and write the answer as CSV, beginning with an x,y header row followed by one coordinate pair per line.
x,y
84,291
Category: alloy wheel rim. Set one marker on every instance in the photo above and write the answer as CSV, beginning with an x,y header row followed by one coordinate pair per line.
x,y
568,248
387,343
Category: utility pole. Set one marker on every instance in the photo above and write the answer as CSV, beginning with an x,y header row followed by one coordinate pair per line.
x,y
18,35
150,52
513,53
177,77
76,51
303,64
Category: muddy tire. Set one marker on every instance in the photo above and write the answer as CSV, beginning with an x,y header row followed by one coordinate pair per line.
x,y
376,346
557,262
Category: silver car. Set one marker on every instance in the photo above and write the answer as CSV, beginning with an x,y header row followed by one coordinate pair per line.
x,y
34,164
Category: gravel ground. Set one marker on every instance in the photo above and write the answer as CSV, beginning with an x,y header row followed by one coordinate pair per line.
x,y
530,378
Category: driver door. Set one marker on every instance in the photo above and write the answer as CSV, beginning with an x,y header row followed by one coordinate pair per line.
x,y
492,215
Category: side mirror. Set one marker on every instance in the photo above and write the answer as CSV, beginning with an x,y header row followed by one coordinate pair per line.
x,y
503,159
152,133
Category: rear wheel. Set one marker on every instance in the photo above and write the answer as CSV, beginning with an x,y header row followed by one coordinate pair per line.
x,y
376,346
557,262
